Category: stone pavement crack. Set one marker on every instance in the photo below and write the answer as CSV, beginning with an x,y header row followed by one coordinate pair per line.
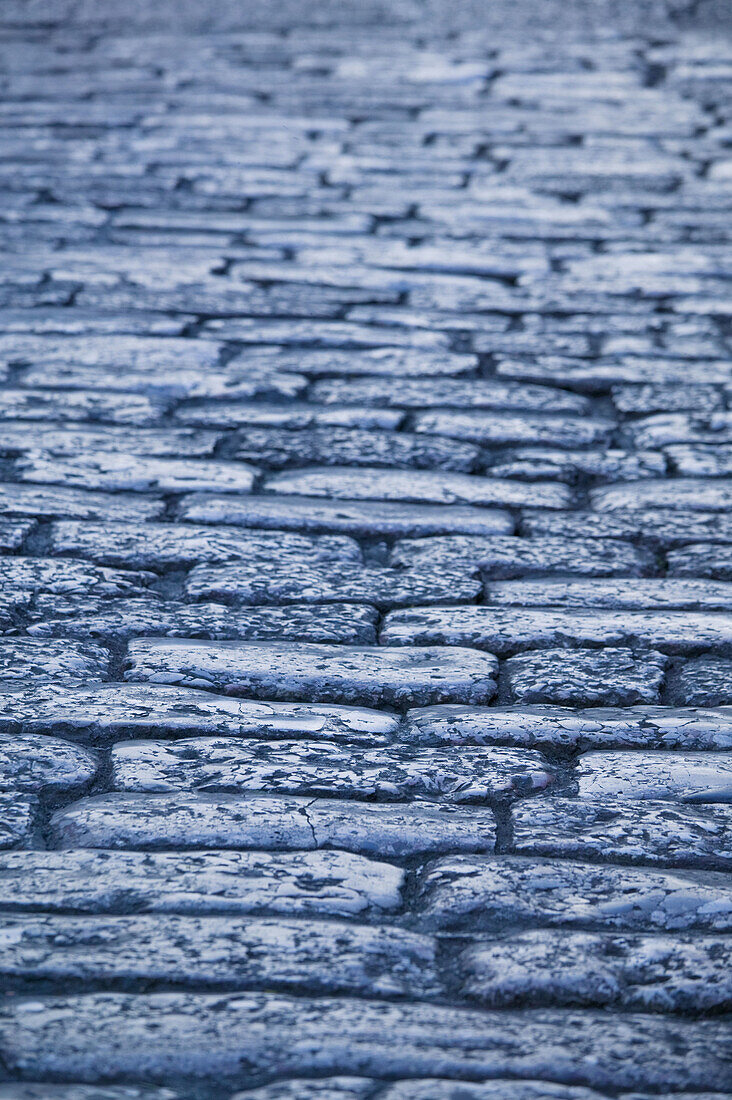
x,y
365,551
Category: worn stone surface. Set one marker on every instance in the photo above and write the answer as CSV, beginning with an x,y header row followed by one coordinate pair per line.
x,y
24,659
36,764
17,818
695,776
707,681
514,557
610,677
353,674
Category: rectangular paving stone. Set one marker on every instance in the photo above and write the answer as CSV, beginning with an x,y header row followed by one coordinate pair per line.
x,y
598,375
280,582
156,545
648,592
352,517
461,893
23,578
34,764
442,1089
607,677
680,776
506,629
300,1088
107,711
657,526
233,952
291,884
89,405
696,494
24,658
495,428
700,461
342,674
391,361
17,821
45,1091
291,415
109,471
100,617
681,427
411,393
71,440
279,447
562,728
707,680
191,1037
14,532
51,501
322,768
636,972
272,823
651,398
621,830
416,486
508,556
537,463
154,353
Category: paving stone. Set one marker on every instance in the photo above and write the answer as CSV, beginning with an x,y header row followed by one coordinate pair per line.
x,y
17,821
659,398
660,430
514,557
14,532
44,501
411,393
712,560
156,545
21,658
70,440
106,470
322,768
500,428
352,517
44,1091
505,629
100,617
626,831
417,486
176,379
277,582
692,776
240,414
38,765
328,957
694,595
657,526
345,674
508,892
329,1088
707,681
641,973
291,884
700,461
190,1037
106,711
385,830
696,494
534,463
440,1089
115,350
276,448
608,677
89,405
600,375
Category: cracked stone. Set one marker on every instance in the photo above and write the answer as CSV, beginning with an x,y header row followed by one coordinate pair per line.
x,y
510,556
707,681
137,473
25,658
681,776
38,765
608,677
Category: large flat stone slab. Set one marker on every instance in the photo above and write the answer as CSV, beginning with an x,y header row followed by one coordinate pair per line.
x,y
109,711
291,884
233,952
324,768
625,831
79,405
189,1037
562,728
461,893
351,517
272,823
697,776
504,629
636,972
502,556
313,673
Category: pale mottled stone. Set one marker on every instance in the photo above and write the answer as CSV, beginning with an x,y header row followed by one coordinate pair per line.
x,y
53,501
17,819
36,764
701,777
138,473
608,676
696,494
24,658
508,556
496,428
646,592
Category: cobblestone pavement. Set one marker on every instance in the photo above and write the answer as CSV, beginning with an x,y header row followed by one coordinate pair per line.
x,y
366,657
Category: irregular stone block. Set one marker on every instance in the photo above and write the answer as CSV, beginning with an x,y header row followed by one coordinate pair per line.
x,y
359,518
535,463
51,501
699,461
440,1089
17,819
217,1037
100,617
505,629
698,776
280,582
701,560
346,674
395,362
27,577
13,532
696,494
23,658
503,556
63,405
495,428
652,593
707,681
411,393
39,765
303,883
107,711
290,415
278,447
653,398
683,427
154,545
44,1091
599,375
73,440
416,486
137,473
559,728
641,973
177,381
476,892
120,351
626,831
318,767
657,526
388,830
328,1088
327,957
608,677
